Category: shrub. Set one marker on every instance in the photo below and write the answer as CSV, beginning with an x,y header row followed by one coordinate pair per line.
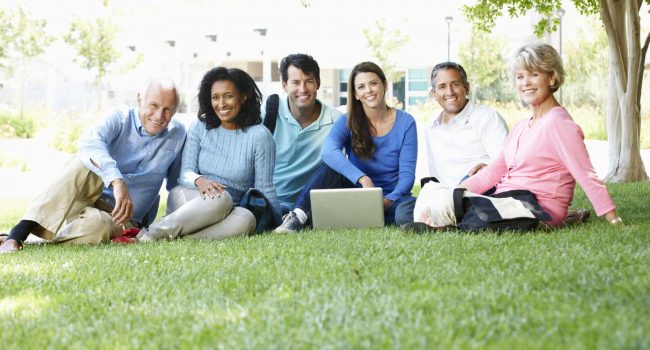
x,y
67,135
7,161
12,126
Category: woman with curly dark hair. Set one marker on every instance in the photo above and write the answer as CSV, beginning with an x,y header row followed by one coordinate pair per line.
x,y
373,145
227,152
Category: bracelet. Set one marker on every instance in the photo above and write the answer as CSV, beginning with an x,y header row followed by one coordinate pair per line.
x,y
616,220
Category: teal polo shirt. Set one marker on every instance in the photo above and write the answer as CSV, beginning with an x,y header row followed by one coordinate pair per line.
x,y
298,150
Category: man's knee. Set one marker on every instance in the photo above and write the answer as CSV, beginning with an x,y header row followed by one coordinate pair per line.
x,y
92,226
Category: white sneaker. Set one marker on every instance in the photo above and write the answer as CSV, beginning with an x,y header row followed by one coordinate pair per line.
x,y
290,223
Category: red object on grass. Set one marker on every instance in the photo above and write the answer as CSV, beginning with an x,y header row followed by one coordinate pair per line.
x,y
131,232
123,240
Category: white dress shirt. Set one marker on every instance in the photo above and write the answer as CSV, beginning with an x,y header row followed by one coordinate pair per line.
x,y
474,136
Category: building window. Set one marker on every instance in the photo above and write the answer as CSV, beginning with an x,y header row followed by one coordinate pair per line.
x,y
343,86
418,86
417,100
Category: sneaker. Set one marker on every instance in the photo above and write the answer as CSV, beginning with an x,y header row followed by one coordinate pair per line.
x,y
143,236
290,223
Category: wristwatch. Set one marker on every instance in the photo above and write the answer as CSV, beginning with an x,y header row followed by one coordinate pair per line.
x,y
616,220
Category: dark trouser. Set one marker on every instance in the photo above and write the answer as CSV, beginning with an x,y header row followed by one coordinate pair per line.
x,y
404,211
326,177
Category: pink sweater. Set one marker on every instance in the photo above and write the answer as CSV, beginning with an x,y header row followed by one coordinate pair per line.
x,y
545,159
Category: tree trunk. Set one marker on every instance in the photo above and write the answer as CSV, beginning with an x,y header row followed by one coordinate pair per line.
x,y
622,24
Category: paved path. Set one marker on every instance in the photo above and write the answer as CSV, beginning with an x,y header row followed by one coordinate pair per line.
x,y
42,161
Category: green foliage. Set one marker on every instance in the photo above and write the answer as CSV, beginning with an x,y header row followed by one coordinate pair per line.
x,y
12,126
384,44
590,119
483,60
585,287
135,61
484,13
94,41
22,37
7,161
66,136
586,68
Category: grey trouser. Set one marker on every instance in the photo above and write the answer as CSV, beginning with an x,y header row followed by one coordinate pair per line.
x,y
191,216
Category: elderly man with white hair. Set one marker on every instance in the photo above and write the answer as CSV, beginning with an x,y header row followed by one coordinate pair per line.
x,y
114,181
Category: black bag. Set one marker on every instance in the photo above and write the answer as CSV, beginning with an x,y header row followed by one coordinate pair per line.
x,y
271,112
260,206
476,213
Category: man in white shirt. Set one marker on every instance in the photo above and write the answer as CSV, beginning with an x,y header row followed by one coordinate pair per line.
x,y
463,138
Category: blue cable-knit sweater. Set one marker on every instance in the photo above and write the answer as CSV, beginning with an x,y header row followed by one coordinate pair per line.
x,y
236,159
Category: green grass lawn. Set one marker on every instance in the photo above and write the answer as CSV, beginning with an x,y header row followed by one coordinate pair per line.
x,y
581,288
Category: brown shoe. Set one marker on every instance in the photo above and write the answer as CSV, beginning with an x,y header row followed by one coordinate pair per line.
x,y
10,246
575,217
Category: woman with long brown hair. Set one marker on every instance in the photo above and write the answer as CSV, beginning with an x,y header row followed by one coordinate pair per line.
x,y
373,145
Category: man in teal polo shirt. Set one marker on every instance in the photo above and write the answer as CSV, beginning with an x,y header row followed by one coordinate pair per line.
x,y
302,124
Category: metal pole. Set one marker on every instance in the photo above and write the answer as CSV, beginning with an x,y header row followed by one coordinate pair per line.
x,y
448,19
448,42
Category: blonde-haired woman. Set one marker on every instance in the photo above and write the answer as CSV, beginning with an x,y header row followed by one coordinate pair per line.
x,y
545,153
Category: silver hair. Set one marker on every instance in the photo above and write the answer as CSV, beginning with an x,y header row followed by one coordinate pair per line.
x,y
540,57
165,83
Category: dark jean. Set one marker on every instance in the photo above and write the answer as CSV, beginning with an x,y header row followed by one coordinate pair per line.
x,y
326,177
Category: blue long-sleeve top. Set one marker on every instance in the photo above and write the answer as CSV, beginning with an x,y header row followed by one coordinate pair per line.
x,y
236,159
392,166
121,148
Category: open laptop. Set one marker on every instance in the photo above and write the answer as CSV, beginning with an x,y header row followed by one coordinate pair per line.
x,y
347,208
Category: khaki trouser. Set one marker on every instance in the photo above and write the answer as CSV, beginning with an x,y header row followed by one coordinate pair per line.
x,y
194,217
66,211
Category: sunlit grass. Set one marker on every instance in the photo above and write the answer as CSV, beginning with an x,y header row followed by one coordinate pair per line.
x,y
586,287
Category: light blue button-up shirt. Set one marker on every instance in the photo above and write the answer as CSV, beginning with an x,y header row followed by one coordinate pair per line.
x,y
123,149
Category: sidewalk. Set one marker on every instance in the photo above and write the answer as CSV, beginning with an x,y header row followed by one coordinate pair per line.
x,y
44,164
